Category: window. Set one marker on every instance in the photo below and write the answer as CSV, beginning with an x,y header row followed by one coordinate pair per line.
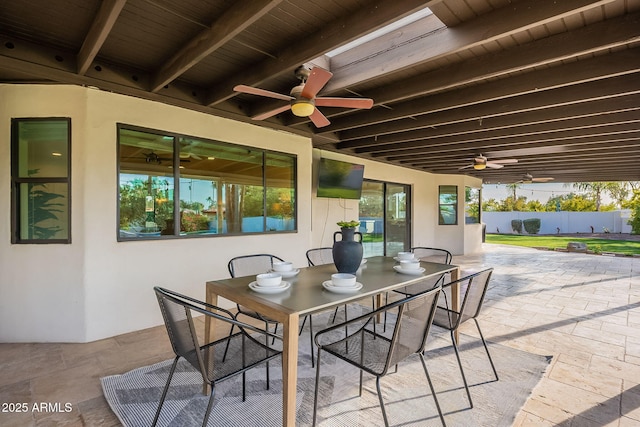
x,y
179,186
448,205
40,180
471,205
384,218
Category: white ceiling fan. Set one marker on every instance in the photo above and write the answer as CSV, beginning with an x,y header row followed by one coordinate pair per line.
x,y
481,162
528,179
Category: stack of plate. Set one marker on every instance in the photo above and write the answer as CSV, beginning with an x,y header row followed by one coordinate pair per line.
x,y
342,283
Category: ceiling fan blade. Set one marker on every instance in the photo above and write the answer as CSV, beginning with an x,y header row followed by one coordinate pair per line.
x,y
318,77
494,165
271,113
505,161
542,179
261,92
319,119
344,102
465,167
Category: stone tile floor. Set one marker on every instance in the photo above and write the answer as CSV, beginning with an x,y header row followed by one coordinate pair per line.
x,y
584,310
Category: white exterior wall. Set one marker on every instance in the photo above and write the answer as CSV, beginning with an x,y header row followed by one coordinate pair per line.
x,y
567,222
97,287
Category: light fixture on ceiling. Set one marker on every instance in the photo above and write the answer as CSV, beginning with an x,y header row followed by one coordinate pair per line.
x,y
302,108
480,163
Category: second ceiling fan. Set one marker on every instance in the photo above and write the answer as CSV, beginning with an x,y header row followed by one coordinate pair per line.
x,y
303,98
481,162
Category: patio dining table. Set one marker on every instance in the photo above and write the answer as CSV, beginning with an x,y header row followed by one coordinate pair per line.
x,y
306,295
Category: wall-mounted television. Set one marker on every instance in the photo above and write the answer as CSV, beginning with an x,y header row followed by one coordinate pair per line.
x,y
338,179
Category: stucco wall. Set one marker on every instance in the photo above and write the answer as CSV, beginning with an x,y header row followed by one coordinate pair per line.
x,y
97,287
566,222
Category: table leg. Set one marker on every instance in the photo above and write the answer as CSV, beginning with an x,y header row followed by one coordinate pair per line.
x,y
289,369
455,298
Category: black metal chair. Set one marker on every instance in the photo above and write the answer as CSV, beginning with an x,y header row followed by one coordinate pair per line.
x,y
376,353
247,265
320,256
473,290
423,253
246,347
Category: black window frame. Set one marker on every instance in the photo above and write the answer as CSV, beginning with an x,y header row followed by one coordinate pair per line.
x,y
16,181
455,205
176,177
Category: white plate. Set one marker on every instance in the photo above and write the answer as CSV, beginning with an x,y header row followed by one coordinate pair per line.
x,y
286,274
341,289
270,289
412,272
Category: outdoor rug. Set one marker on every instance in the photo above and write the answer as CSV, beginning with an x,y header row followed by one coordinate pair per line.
x,y
134,396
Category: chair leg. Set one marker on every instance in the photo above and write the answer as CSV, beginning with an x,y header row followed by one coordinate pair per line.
x,y
266,339
335,313
315,394
206,414
433,391
311,340
384,413
486,349
464,379
166,389
226,349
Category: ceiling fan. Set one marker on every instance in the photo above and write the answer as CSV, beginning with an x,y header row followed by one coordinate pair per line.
x,y
303,98
528,179
154,158
480,162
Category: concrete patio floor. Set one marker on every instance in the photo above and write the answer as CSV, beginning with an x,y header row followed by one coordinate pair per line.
x,y
583,310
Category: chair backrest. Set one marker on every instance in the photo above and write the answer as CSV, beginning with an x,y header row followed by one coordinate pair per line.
x,y
177,314
441,256
320,256
247,265
473,289
413,322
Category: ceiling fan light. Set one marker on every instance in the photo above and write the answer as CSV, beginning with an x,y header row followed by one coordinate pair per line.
x,y
479,166
302,108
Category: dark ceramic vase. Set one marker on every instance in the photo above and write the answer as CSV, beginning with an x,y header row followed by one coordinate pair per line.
x,y
347,252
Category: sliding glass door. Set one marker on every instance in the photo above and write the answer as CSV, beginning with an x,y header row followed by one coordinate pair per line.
x,y
384,218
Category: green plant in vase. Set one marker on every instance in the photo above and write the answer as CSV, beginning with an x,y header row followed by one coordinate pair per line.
x,y
348,224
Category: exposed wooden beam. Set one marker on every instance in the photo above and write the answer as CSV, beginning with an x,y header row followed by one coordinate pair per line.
x,y
610,89
570,74
342,31
597,111
564,46
488,28
587,125
100,29
239,16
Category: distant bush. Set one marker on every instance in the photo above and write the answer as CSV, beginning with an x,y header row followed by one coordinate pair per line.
x,y
532,225
634,222
516,225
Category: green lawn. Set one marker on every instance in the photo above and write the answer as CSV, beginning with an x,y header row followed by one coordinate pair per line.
x,y
593,244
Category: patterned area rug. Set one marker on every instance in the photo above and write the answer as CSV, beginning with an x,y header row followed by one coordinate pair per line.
x,y
134,396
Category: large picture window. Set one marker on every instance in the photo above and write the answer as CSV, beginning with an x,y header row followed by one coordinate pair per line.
x,y
221,188
447,205
41,180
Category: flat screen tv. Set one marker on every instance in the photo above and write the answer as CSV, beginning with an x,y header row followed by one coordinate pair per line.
x,y
337,179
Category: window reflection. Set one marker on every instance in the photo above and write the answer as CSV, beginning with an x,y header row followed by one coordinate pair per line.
x,y
222,188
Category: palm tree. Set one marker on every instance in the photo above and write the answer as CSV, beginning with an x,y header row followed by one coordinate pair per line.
x,y
513,187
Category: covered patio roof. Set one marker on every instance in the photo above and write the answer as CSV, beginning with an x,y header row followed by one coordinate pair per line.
x,y
553,84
